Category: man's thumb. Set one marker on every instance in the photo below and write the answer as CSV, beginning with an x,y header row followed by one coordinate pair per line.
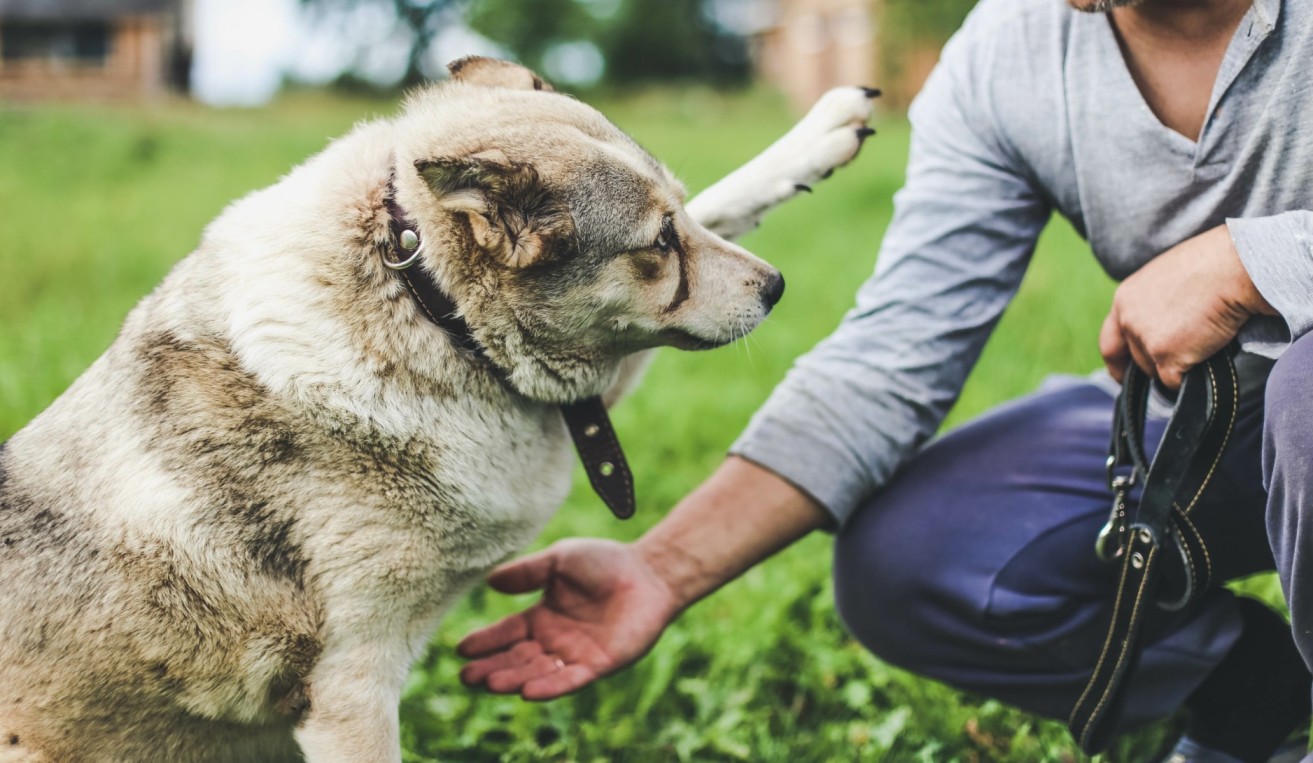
x,y
523,575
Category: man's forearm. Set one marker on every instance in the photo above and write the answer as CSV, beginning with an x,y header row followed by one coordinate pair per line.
x,y
740,515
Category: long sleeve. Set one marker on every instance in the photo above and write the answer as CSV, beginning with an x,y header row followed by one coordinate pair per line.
x,y
965,225
1277,252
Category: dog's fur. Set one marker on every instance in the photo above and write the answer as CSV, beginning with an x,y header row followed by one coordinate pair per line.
x,y
232,536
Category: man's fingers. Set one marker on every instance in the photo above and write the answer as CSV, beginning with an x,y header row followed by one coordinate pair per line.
x,y
1171,376
517,657
475,673
1112,345
1118,348
523,575
511,679
557,683
1141,357
495,637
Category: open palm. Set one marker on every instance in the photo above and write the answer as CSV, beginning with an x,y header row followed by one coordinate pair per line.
x,y
603,607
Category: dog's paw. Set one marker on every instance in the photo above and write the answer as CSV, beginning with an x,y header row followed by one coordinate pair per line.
x,y
828,137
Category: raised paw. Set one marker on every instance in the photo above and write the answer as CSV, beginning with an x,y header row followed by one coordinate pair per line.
x,y
830,135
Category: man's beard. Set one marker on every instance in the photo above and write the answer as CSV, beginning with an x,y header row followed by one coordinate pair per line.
x,y
1102,6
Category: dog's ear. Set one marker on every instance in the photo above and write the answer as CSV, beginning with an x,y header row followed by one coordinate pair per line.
x,y
511,213
492,72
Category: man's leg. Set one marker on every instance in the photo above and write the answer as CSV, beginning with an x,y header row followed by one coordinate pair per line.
x,y
1288,477
975,565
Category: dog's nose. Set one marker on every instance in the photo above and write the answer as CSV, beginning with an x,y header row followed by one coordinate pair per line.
x,y
774,290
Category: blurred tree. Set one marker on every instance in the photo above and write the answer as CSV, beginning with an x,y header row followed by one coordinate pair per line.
x,y
635,40
639,40
530,30
419,20
651,40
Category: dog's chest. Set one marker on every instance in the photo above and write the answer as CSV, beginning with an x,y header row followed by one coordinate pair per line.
x,y
474,482
507,465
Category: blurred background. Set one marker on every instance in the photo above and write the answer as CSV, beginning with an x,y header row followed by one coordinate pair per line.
x,y
121,138
242,52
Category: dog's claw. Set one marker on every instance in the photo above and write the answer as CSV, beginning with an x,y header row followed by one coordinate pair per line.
x,y
864,132
872,92
801,187
827,174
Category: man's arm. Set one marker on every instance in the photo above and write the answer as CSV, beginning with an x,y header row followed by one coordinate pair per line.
x,y
965,224
742,514
605,604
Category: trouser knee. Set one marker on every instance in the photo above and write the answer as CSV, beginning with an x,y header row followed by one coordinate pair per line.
x,y
879,599
1288,416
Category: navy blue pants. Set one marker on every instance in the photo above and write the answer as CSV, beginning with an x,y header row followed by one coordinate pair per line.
x,y
976,565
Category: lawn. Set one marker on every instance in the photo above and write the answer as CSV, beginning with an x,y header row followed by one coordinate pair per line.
x,y
97,204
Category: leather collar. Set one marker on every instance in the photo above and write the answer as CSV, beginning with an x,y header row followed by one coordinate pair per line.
x,y
590,427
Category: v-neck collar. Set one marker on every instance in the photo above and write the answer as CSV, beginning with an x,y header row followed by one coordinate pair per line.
x,y
1254,27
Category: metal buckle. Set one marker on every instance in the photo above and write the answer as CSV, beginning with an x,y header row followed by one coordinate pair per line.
x,y
1111,543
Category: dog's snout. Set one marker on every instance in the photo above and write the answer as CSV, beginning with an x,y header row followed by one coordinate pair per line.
x,y
773,290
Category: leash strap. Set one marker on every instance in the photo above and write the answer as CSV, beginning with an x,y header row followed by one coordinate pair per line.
x,y
1184,465
590,427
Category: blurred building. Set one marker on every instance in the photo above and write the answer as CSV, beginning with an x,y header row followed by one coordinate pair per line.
x,y
94,49
810,46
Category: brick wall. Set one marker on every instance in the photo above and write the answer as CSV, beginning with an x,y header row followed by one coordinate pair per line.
x,y
133,68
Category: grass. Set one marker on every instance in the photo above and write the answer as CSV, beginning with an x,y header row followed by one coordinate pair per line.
x,y
97,204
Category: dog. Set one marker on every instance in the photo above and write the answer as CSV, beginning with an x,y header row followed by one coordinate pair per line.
x,y
232,536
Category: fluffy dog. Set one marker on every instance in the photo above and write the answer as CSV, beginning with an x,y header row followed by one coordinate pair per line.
x,y
232,536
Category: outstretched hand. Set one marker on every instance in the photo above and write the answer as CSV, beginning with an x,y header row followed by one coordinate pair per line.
x,y
603,607
1180,308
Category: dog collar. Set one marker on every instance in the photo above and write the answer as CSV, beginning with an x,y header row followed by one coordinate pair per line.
x,y
590,427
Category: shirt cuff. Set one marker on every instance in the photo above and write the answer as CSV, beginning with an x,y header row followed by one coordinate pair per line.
x,y
1277,252
807,462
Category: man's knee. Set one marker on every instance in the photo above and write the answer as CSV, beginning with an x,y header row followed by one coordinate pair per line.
x,y
972,543
881,611
878,595
1288,417
933,608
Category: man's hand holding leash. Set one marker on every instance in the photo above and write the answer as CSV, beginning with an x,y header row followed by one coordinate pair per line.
x,y
1180,309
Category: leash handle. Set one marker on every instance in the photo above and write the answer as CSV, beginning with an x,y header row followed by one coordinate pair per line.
x,y
1183,466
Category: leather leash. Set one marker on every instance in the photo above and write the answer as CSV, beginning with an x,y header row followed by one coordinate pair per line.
x,y
590,427
1161,531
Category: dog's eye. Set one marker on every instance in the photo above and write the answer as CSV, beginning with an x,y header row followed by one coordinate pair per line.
x,y
666,238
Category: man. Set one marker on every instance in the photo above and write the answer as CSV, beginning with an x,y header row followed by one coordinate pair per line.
x,y
1177,136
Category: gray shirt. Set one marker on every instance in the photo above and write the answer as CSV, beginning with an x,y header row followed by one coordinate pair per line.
x,y
1032,110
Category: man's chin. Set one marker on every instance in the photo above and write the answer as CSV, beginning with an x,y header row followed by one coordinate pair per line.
x,y
1102,6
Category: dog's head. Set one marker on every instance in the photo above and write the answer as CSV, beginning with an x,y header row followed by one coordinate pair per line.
x,y
565,245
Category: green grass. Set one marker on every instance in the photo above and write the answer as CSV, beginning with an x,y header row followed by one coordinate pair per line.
x,y
96,205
